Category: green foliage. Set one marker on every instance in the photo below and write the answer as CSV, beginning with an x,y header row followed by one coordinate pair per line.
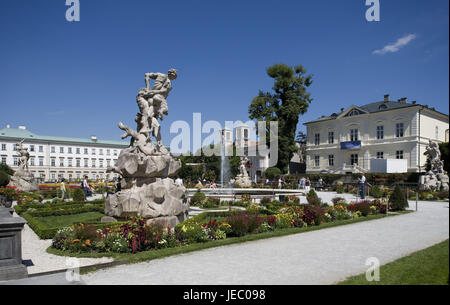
x,y
397,200
376,192
5,168
288,100
4,179
198,198
78,194
312,198
272,173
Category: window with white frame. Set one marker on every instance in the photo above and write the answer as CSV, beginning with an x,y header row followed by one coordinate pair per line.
x,y
4,159
101,151
41,148
3,147
316,161
108,152
53,162
93,162
380,132
399,130
380,155
31,161
353,159
61,149
78,162
41,161
69,150
330,160
399,154
86,162
52,149
331,137
436,132
31,147
93,151
353,134
78,150
85,151
16,161
61,162
317,139
69,162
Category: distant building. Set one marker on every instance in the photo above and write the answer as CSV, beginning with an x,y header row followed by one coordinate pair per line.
x,y
347,141
53,158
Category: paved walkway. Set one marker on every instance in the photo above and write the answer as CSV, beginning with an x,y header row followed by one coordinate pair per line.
x,y
37,259
319,257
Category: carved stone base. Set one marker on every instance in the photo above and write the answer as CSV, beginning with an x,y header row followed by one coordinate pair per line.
x,y
149,198
24,181
243,181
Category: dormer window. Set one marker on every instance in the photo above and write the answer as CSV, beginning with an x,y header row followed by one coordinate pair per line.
x,y
382,106
353,112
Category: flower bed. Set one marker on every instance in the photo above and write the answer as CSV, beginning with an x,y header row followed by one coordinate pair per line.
x,y
136,236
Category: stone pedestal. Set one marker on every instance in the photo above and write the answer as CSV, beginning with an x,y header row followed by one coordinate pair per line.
x,y
243,181
24,181
11,266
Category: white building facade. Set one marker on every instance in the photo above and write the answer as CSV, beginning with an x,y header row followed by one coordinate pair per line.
x,y
347,141
53,158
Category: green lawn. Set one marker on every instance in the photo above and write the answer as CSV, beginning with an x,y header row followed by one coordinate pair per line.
x,y
68,220
426,267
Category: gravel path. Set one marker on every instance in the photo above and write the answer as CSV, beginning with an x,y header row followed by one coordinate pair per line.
x,y
38,260
318,257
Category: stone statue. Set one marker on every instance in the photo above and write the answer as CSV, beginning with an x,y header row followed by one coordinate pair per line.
x,y
243,179
23,179
435,179
146,166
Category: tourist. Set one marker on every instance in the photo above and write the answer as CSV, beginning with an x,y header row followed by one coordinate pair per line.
x,y
302,182
362,183
85,186
62,187
307,185
320,183
213,185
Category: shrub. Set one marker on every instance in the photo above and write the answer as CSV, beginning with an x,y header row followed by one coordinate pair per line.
x,y
78,195
338,200
312,198
211,203
266,200
198,198
272,173
243,223
362,206
313,214
398,200
340,189
376,192
4,179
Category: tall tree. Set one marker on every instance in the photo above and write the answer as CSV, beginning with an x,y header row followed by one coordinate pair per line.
x,y
288,100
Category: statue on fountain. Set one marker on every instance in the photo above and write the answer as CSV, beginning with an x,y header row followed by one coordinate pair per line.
x,y
436,178
146,166
243,180
23,179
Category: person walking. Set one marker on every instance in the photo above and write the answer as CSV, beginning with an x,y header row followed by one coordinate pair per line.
x,y
307,185
85,185
62,187
362,184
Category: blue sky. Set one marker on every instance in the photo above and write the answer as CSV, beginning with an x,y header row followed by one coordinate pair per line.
x,y
79,79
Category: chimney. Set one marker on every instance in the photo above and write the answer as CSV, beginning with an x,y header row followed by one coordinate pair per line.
x,y
22,127
386,97
402,100
413,102
342,109
94,138
8,126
